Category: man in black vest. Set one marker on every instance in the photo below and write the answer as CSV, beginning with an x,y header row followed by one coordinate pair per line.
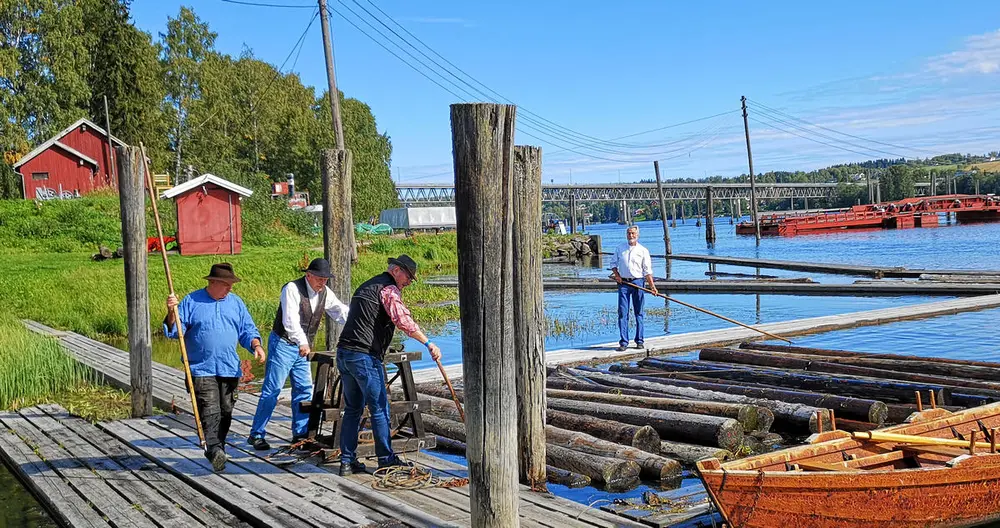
x,y
376,311
300,313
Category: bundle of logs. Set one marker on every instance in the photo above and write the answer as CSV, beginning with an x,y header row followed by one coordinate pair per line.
x,y
649,420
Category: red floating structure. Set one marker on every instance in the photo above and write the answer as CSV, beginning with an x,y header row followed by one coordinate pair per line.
x,y
901,214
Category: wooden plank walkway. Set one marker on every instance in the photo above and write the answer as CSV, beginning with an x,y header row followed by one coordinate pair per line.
x,y
87,478
302,494
840,269
606,353
749,286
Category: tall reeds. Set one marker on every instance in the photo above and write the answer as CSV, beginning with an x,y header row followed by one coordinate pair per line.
x,y
33,366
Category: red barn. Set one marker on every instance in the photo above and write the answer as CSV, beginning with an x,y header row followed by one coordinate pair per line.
x,y
208,215
72,163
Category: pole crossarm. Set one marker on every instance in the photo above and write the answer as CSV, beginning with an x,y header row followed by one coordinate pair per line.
x,y
438,194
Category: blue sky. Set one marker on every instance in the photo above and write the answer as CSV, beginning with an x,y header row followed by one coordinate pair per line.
x,y
910,79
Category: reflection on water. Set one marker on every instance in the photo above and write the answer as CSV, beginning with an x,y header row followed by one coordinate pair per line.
x,y
18,507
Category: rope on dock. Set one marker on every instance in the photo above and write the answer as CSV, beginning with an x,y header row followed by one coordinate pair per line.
x,y
412,478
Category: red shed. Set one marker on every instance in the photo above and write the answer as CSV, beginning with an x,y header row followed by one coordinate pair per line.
x,y
74,162
208,215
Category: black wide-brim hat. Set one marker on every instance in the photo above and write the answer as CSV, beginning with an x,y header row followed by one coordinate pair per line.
x,y
320,267
223,271
406,263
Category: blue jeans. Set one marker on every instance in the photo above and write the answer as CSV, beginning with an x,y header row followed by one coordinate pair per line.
x,y
283,359
627,295
362,381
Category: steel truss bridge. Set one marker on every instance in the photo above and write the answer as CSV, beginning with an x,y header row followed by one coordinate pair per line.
x,y
436,194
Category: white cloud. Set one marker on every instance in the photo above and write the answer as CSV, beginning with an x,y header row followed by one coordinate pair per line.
x,y
980,55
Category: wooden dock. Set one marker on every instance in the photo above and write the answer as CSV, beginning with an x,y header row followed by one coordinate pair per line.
x,y
606,353
777,287
256,492
836,269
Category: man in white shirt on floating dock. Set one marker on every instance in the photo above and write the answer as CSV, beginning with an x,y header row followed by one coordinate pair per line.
x,y
631,264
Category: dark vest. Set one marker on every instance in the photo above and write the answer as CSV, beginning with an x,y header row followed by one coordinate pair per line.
x,y
369,328
309,318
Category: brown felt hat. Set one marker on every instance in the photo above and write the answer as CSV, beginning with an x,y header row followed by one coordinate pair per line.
x,y
407,264
223,271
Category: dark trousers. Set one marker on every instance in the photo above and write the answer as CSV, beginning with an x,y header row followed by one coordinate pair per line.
x,y
362,379
216,396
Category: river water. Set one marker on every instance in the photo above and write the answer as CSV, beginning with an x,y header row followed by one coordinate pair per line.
x,y
587,318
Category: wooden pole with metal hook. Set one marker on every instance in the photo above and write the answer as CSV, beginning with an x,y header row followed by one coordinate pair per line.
x,y
702,310
451,389
170,286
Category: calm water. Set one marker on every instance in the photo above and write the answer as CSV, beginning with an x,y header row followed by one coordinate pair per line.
x,y
586,318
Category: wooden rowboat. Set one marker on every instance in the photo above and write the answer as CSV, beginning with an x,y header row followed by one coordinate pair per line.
x,y
908,475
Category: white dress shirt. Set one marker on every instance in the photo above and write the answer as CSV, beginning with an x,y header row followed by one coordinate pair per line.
x,y
633,262
290,299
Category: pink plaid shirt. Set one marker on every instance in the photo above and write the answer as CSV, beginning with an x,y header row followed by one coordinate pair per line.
x,y
392,299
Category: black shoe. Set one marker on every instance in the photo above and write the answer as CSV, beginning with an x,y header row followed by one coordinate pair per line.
x,y
352,468
218,458
259,443
393,462
622,348
640,346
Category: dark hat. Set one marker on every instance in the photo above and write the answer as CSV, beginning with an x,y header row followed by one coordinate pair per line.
x,y
320,267
223,271
406,263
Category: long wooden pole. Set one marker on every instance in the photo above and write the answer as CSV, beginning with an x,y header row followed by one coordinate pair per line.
x,y
133,215
663,210
753,186
451,389
702,310
170,286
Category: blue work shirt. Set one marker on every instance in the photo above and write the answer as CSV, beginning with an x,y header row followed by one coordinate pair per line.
x,y
211,331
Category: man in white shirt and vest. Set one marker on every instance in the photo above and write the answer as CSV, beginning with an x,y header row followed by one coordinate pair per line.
x,y
300,313
631,264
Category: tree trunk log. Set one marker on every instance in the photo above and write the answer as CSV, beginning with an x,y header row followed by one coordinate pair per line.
x,y
709,430
338,228
751,417
794,417
652,466
688,454
482,146
613,474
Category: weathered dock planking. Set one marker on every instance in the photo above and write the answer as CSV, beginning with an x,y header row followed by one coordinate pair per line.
x,y
778,287
86,478
655,346
301,494
841,269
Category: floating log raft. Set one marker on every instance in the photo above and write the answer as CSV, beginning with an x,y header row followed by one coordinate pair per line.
x,y
751,417
641,437
787,416
652,466
690,453
711,430
614,474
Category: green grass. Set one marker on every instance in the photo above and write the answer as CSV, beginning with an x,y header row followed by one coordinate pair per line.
x,y
33,366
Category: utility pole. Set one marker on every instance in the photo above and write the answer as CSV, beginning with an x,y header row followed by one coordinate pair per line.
x,y
331,77
753,185
663,210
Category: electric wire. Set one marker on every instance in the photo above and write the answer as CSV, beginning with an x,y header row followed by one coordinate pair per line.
x,y
265,4
804,130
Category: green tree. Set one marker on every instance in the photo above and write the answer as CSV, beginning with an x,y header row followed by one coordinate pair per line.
x,y
124,68
897,182
185,45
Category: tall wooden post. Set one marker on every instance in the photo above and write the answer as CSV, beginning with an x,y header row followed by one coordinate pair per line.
x,y
482,146
663,208
739,208
673,214
131,186
709,216
338,226
572,213
529,315
933,184
683,218
753,185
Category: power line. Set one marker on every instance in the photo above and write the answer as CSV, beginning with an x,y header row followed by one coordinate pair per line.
x,y
776,111
776,127
264,4
825,136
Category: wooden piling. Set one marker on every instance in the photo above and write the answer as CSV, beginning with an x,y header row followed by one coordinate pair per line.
x,y
338,230
482,146
663,209
529,314
572,214
131,186
709,216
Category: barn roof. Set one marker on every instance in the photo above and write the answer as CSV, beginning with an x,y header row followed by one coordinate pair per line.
x,y
202,180
55,140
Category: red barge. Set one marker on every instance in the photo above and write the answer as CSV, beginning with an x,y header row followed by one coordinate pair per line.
x,y
901,214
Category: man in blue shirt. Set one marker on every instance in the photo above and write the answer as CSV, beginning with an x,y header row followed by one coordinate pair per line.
x,y
213,321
